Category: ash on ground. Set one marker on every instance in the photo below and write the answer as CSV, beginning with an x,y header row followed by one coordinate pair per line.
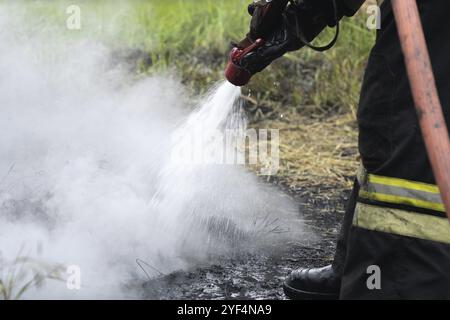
x,y
259,275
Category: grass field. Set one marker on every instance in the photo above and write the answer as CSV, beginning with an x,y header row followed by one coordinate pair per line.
x,y
177,32
304,94
310,97
307,95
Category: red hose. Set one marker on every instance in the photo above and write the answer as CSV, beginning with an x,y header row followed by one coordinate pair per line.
x,y
426,98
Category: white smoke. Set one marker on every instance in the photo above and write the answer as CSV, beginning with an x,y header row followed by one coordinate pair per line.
x,y
85,172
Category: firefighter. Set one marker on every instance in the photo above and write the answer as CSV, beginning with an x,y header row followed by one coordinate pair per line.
x,y
395,238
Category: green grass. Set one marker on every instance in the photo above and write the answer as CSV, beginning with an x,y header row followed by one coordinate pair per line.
x,y
163,27
23,274
193,36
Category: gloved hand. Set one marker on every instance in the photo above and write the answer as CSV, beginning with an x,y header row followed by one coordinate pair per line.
x,y
283,26
284,30
281,40
266,17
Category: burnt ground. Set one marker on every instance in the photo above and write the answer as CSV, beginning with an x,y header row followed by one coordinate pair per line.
x,y
260,275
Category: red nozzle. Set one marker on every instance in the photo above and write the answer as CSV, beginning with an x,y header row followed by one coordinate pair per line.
x,y
236,74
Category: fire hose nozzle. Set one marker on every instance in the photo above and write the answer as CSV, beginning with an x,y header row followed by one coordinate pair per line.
x,y
235,72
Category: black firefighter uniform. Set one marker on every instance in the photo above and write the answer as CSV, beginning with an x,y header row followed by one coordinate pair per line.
x,y
395,220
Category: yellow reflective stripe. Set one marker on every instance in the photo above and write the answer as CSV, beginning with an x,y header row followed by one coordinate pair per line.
x,y
403,223
395,182
400,191
402,200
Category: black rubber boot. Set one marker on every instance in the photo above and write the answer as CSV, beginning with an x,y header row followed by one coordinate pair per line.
x,y
324,283
313,284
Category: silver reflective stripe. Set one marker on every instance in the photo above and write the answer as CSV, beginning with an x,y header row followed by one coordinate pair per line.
x,y
403,192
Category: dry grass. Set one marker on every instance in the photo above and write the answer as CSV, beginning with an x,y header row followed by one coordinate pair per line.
x,y
315,152
319,152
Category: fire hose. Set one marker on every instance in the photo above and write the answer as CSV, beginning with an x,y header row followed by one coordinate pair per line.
x,y
425,94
